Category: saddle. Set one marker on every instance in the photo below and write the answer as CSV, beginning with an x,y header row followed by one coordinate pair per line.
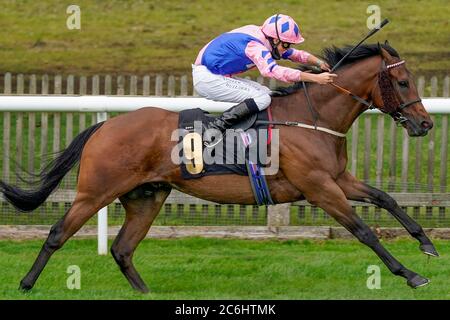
x,y
232,155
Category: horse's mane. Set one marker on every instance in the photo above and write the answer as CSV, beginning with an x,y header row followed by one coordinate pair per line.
x,y
333,54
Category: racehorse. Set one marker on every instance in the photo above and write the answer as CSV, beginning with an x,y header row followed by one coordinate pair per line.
x,y
129,157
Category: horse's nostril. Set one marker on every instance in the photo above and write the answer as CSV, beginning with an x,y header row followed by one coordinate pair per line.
x,y
427,124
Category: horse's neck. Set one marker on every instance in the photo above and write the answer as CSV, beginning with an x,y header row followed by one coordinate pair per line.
x,y
336,111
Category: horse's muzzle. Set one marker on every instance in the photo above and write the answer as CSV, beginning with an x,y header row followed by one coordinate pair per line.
x,y
418,128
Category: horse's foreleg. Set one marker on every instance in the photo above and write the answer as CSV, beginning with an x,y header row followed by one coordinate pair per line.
x,y
140,213
330,197
83,208
359,191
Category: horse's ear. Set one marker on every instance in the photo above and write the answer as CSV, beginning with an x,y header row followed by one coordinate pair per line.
x,y
385,54
386,43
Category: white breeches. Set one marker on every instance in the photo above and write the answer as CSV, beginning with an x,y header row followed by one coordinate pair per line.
x,y
220,88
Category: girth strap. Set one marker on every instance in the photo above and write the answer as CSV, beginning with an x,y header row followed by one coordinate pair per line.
x,y
407,104
302,125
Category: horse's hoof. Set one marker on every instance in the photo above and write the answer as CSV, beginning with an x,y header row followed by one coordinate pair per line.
x,y
25,287
417,281
142,289
429,250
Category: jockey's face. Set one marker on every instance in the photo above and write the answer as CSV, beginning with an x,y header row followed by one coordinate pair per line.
x,y
282,46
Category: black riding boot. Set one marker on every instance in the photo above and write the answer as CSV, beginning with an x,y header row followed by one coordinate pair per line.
x,y
229,118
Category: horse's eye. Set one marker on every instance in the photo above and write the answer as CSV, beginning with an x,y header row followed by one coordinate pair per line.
x,y
403,83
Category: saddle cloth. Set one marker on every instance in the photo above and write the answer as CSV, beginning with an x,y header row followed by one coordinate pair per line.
x,y
238,153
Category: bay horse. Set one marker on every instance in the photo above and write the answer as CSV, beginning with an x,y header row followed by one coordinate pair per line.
x,y
128,157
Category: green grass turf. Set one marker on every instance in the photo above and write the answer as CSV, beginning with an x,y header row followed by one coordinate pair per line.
x,y
165,36
197,268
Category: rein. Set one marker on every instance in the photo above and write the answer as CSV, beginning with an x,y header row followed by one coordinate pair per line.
x,y
388,96
304,125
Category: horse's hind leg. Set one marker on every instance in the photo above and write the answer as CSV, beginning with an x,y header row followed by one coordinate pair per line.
x,y
359,191
142,206
83,208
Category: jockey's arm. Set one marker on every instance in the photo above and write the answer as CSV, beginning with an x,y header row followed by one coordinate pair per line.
x,y
305,57
313,60
263,60
268,67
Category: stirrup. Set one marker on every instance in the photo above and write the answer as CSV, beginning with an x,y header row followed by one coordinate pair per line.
x,y
207,138
210,144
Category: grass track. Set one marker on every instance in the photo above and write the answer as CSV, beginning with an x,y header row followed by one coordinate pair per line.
x,y
197,268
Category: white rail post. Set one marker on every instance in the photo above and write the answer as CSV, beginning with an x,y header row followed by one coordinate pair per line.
x,y
102,224
55,103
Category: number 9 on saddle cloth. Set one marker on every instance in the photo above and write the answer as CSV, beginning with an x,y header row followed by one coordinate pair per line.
x,y
244,150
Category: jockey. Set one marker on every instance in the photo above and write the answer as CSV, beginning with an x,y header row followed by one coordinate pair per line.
x,y
242,49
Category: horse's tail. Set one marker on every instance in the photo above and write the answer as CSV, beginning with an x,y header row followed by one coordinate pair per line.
x,y
49,178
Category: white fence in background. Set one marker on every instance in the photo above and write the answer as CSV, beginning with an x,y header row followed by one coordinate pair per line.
x,y
67,103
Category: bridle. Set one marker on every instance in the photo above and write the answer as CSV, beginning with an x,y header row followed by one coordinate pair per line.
x,y
388,95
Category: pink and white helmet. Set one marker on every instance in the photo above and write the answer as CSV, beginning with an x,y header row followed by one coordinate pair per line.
x,y
288,30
